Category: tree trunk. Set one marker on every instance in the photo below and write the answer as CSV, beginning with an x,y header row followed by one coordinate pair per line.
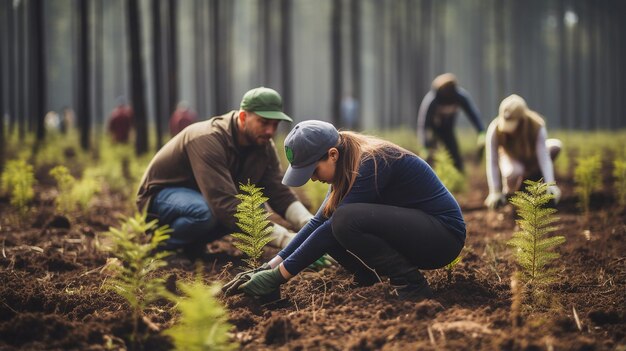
x,y
285,53
98,63
172,57
157,62
136,77
336,73
221,56
355,55
21,70
12,64
83,84
199,56
37,99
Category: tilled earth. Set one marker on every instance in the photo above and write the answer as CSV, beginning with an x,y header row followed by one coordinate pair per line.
x,y
52,294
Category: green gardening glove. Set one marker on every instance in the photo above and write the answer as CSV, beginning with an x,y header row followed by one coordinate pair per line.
x,y
263,282
231,287
322,262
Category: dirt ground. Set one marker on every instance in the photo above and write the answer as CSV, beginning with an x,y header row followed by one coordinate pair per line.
x,y
51,296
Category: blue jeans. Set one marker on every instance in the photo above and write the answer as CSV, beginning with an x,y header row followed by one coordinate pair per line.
x,y
187,213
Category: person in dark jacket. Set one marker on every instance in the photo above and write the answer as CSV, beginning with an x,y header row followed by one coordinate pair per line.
x,y
437,116
386,213
192,182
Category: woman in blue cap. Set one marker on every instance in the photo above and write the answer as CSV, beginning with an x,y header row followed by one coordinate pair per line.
x,y
386,213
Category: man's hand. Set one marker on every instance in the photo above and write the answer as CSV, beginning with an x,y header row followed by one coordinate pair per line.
x,y
556,192
495,200
231,287
263,282
281,236
297,215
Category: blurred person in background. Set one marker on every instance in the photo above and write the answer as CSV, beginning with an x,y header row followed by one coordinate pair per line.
x,y
181,118
436,118
517,149
120,122
192,182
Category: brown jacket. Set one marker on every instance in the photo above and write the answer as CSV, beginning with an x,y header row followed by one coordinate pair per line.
x,y
205,157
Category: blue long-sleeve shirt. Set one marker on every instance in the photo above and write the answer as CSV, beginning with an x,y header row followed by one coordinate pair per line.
x,y
405,182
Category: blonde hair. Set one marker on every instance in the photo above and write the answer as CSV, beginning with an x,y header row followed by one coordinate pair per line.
x,y
354,149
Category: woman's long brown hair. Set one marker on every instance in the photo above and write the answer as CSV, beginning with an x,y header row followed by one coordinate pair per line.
x,y
355,148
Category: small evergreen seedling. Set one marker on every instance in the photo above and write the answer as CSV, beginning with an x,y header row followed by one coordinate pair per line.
x,y
619,174
18,180
73,195
132,279
450,268
588,179
253,222
65,181
447,173
203,323
532,242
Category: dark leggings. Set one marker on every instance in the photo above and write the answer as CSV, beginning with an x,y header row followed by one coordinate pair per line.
x,y
393,240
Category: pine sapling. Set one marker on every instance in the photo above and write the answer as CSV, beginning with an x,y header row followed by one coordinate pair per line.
x,y
133,279
451,177
619,175
64,203
534,246
450,268
18,180
253,222
203,322
587,176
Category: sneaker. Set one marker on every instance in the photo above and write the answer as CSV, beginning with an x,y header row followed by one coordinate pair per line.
x,y
412,286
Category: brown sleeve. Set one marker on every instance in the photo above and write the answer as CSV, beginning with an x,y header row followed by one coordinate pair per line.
x,y
209,165
280,196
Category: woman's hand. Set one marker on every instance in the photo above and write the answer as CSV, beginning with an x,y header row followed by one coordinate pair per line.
x,y
263,282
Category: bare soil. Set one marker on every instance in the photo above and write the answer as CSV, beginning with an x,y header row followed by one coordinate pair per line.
x,y
51,295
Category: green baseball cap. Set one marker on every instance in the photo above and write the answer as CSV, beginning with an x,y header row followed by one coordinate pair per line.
x,y
265,102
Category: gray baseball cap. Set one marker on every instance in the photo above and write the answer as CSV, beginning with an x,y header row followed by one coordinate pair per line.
x,y
305,144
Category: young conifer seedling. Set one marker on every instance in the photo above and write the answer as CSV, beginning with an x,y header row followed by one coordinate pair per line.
x,y
253,222
450,268
533,243
18,180
445,170
133,279
203,322
588,178
65,181
619,174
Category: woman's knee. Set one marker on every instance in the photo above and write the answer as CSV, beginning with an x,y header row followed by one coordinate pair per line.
x,y
344,220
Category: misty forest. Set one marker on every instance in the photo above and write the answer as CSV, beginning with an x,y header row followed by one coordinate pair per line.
x,y
91,90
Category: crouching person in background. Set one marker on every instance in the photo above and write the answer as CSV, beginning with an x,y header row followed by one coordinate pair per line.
x,y
518,149
386,213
